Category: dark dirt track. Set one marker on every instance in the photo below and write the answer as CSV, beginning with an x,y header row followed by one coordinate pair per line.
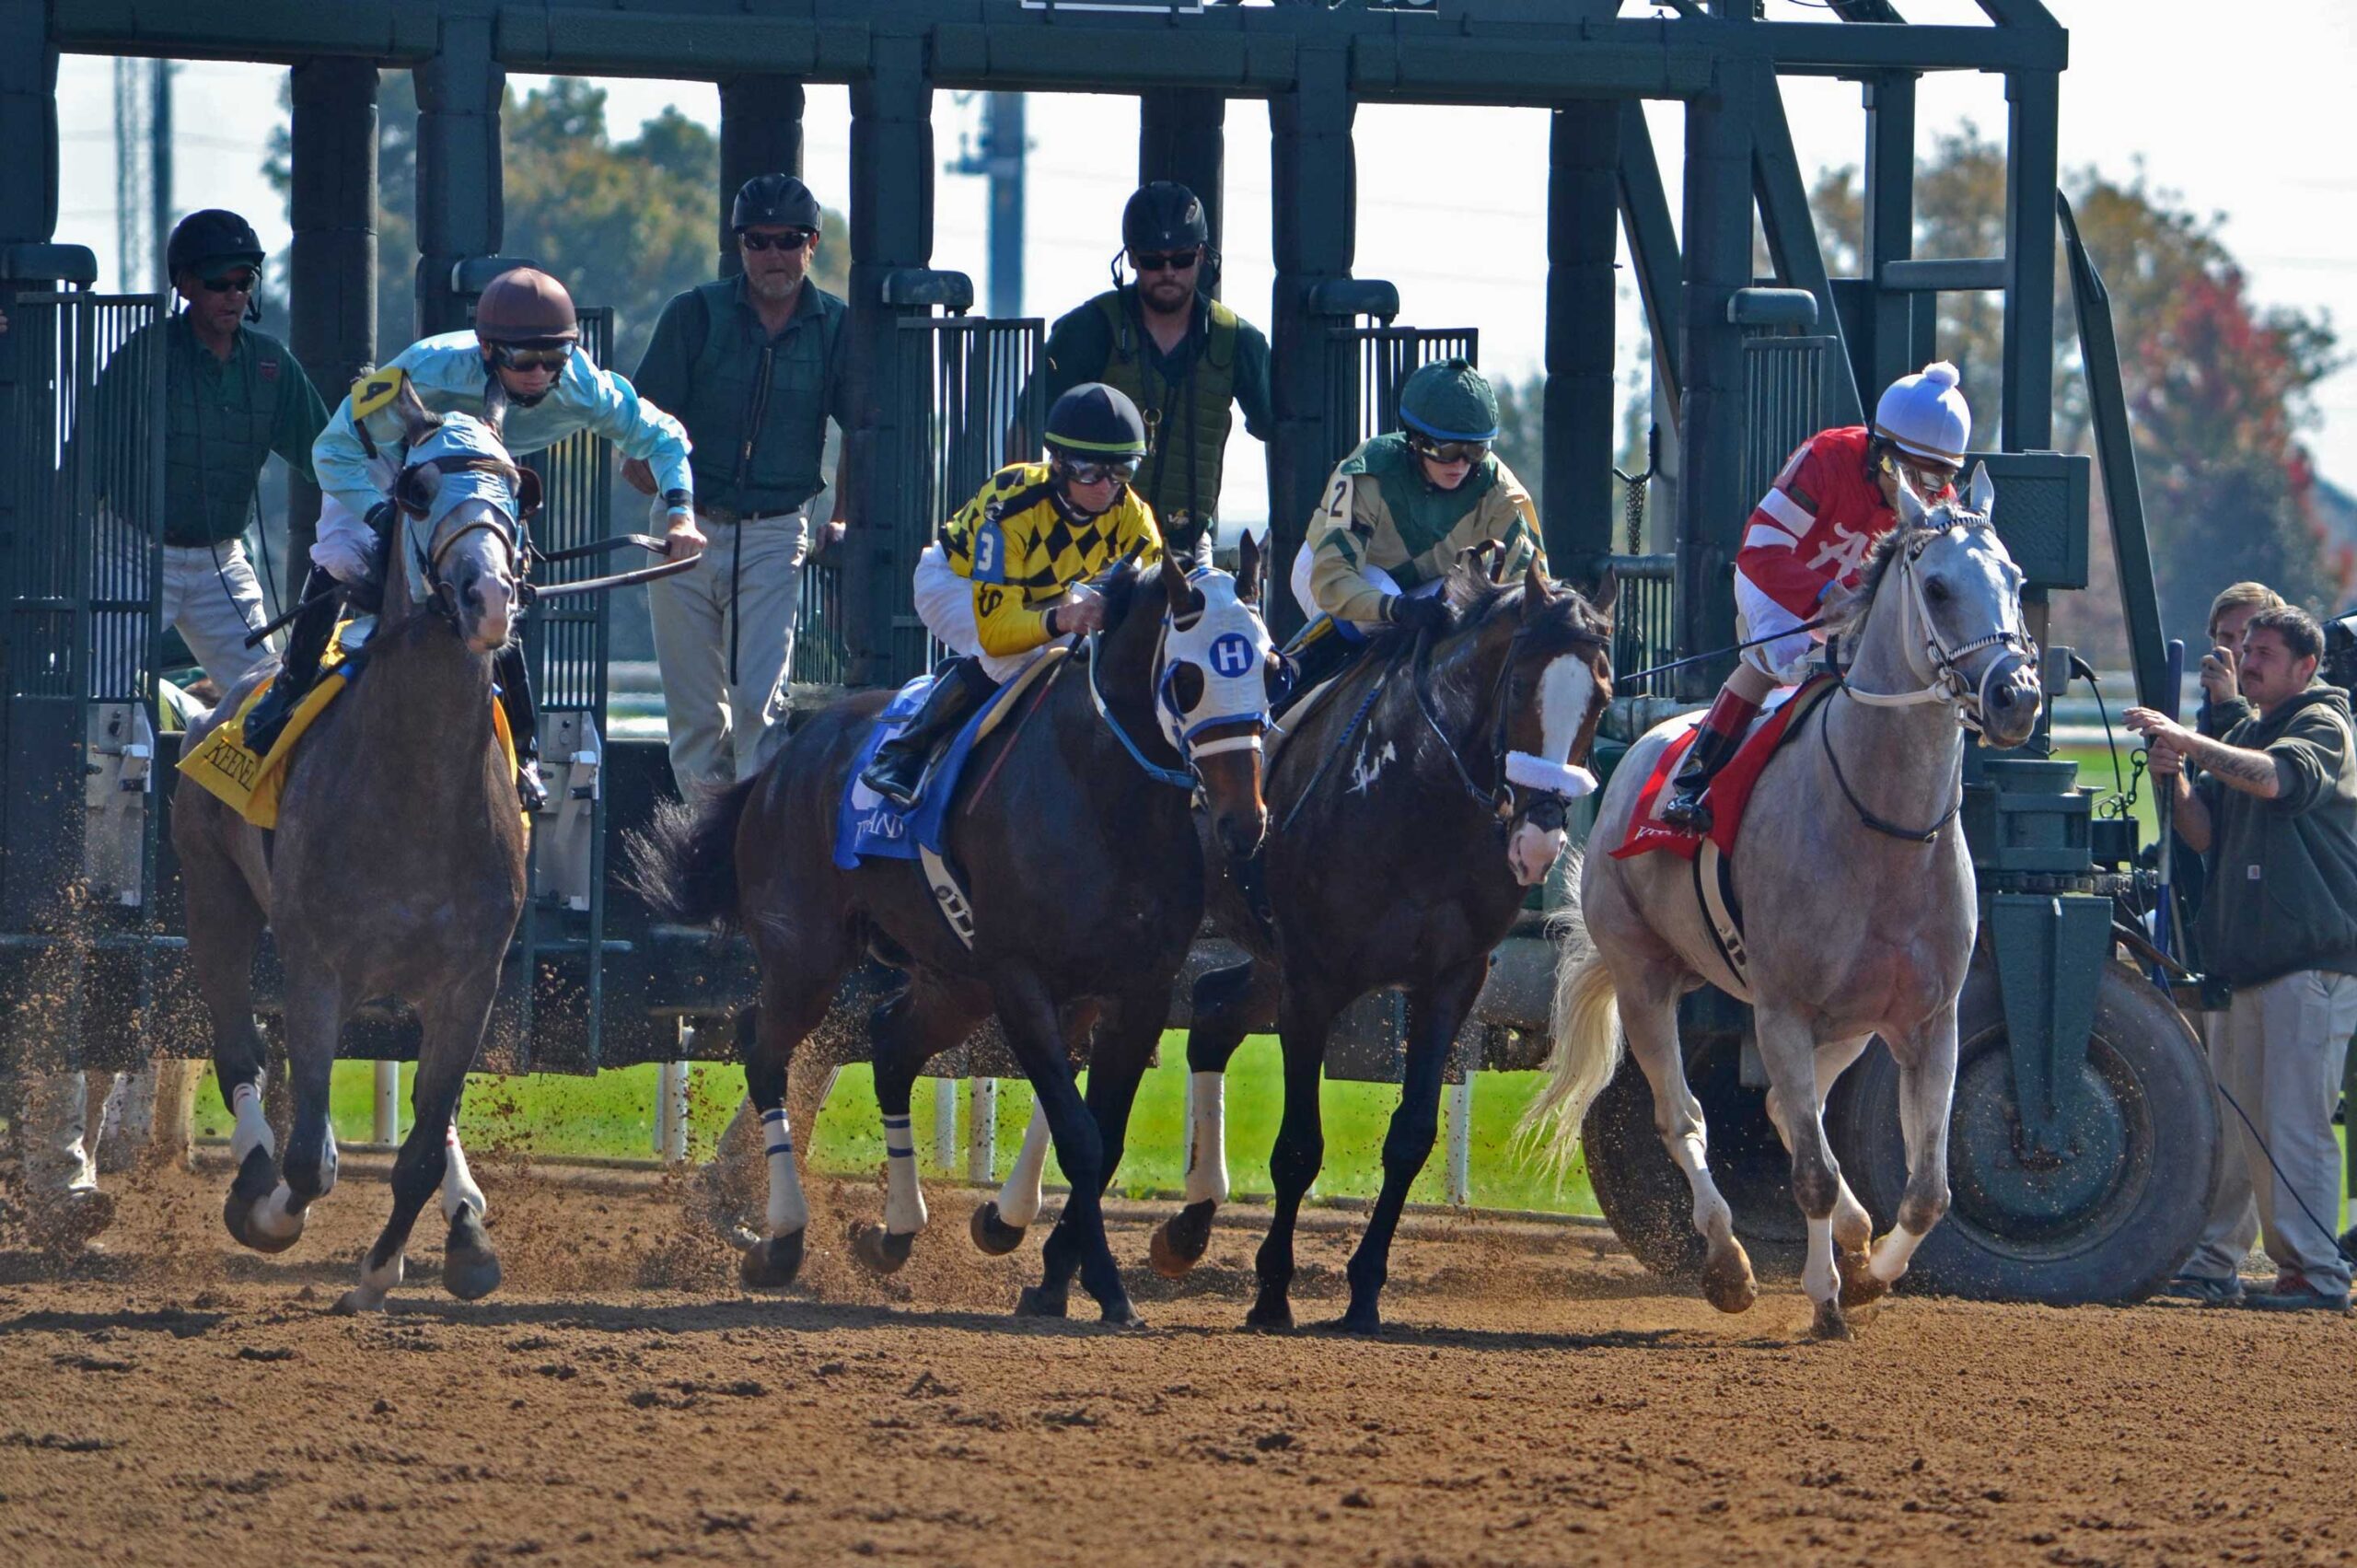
x,y
1540,1400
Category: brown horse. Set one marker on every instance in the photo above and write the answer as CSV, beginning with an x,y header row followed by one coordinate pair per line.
x,y
1085,877
1416,806
396,869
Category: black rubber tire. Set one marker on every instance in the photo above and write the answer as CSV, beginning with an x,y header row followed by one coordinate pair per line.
x,y
1645,1196
2127,1242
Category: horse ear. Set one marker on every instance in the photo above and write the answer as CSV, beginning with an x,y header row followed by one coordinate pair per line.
x,y
1535,592
1248,568
527,494
1174,580
1982,490
417,423
1912,511
494,407
1607,591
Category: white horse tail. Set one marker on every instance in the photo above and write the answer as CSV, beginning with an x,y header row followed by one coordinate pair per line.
x,y
1586,1029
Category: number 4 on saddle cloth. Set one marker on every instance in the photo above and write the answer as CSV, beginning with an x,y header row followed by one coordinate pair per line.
x,y
1731,791
251,784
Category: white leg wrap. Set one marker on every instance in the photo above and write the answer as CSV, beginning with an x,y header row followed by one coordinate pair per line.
x,y
1207,1146
904,1212
458,1189
1817,1277
788,1211
252,1130
273,1217
1892,1254
368,1295
1018,1199
326,1161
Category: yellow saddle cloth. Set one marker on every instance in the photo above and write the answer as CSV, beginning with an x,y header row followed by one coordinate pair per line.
x,y
252,785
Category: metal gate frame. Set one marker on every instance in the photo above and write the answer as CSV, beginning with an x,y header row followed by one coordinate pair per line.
x,y
1365,366
81,532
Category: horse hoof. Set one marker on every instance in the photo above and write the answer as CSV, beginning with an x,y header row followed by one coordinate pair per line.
x,y
359,1300
471,1275
1859,1286
1727,1281
1267,1314
1036,1302
1180,1242
239,1216
1828,1323
878,1251
1119,1315
1365,1325
993,1235
768,1265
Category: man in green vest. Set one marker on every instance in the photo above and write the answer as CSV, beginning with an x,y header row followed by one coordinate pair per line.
x,y
753,366
1184,358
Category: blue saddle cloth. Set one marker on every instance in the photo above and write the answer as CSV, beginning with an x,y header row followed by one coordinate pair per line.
x,y
868,826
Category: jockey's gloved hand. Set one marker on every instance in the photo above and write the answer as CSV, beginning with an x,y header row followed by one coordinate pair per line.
x,y
1417,615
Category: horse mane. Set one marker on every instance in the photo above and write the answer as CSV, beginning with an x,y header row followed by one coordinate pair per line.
x,y
1847,616
1474,597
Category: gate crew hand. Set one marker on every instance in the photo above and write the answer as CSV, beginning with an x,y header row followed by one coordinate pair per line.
x,y
2221,681
683,539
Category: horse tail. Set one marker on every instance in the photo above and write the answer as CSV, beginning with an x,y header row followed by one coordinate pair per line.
x,y
1585,1024
684,862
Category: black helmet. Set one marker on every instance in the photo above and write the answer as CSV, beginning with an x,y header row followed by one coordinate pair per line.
x,y
212,237
778,199
1164,216
1096,423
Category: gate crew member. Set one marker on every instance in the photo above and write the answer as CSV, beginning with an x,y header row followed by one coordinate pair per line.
x,y
232,395
1184,358
1010,573
524,354
1398,513
1810,535
753,366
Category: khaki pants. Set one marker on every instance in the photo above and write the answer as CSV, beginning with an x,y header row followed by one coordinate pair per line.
x,y
2233,1229
2283,1052
722,731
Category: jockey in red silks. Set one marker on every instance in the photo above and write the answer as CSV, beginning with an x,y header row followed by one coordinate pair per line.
x,y
1810,535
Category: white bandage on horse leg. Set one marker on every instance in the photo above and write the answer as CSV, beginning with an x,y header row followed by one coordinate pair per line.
x,y
274,1218
458,1189
326,1162
1818,1277
1207,1138
1018,1199
904,1212
1892,1254
788,1211
253,1128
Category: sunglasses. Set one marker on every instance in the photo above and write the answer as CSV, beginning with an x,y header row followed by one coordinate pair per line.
x,y
511,357
1097,473
231,282
793,240
1163,260
1449,451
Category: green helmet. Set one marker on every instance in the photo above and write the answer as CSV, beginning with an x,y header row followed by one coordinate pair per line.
x,y
1096,423
1449,401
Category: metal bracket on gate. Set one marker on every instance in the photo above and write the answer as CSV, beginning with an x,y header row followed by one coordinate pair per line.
x,y
563,864
117,787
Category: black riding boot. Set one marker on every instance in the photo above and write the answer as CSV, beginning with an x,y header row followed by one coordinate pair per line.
x,y
1317,655
307,643
1711,750
898,773
514,678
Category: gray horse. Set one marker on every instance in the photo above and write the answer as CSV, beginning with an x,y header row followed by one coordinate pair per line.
x,y
396,869
1854,874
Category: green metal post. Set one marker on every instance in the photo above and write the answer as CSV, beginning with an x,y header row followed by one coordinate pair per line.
x,y
332,267
892,168
1890,227
1182,136
1582,188
1314,181
1653,245
760,132
459,208
1792,243
2034,101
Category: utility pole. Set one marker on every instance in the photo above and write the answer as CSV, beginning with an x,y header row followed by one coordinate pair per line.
x,y
999,157
159,166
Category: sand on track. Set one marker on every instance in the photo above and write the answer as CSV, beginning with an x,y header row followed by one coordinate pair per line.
x,y
1540,1400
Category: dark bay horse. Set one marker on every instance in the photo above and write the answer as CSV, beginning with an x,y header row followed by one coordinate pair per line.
x,y
1085,876
396,869
1413,807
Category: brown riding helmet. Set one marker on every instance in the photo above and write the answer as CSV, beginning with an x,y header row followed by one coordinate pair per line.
x,y
525,304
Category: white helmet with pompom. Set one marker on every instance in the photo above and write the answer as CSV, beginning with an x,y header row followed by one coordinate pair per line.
x,y
1926,416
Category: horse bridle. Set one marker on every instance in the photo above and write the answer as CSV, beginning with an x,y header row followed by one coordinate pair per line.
x,y
1948,682
508,531
1511,801
1179,729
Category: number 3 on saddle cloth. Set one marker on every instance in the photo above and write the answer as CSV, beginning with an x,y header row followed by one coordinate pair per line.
x,y
250,784
1728,795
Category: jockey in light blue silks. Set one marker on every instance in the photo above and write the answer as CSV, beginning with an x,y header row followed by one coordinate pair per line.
x,y
521,369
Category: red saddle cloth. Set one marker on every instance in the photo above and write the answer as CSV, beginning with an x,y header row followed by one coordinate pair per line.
x,y
1728,793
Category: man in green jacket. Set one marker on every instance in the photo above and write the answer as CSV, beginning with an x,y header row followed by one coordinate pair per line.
x,y
1184,358
753,366
2275,816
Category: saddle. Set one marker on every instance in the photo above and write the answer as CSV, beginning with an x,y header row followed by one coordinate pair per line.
x,y
250,784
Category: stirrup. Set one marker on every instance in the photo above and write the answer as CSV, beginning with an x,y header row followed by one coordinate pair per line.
x,y
1686,812
529,790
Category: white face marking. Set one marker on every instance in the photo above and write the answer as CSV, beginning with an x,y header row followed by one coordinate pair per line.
x,y
1565,688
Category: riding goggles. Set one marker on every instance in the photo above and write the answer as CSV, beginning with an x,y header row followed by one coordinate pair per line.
x,y
531,357
1097,473
232,282
1165,260
1447,451
793,239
